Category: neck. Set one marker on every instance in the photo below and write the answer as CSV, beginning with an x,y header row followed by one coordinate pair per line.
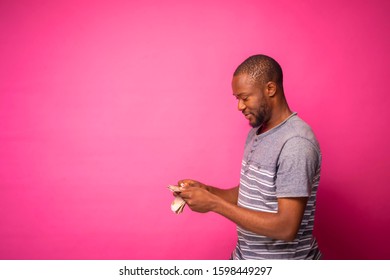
x,y
278,116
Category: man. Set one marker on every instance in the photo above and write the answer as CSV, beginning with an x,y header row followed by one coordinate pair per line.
x,y
274,204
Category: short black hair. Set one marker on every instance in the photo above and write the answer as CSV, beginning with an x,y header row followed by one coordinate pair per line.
x,y
262,69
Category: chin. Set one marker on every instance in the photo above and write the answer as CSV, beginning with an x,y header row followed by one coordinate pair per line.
x,y
255,124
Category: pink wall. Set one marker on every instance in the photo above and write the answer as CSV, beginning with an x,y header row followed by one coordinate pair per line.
x,y
105,103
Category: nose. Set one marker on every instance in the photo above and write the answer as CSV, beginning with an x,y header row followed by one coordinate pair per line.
x,y
241,106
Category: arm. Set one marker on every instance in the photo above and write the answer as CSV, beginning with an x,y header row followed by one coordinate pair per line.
x,y
282,225
298,165
229,195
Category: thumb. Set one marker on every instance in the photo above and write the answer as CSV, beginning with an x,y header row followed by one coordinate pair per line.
x,y
185,183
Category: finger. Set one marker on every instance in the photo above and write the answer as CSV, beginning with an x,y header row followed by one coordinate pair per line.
x,y
186,183
185,194
182,183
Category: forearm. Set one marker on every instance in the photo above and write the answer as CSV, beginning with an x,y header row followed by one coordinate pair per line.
x,y
281,225
228,195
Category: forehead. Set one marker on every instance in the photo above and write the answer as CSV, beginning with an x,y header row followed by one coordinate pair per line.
x,y
243,83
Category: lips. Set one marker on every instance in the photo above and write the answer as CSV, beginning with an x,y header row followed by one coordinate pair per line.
x,y
247,115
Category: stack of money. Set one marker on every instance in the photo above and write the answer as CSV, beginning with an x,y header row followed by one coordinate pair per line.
x,y
178,203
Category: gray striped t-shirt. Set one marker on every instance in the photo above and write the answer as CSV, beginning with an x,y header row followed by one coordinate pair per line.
x,y
282,162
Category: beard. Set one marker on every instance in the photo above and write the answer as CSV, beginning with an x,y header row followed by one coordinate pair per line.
x,y
261,116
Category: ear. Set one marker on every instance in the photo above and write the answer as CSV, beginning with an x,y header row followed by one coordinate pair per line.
x,y
271,89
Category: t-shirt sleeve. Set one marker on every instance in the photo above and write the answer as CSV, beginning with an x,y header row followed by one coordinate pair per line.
x,y
297,167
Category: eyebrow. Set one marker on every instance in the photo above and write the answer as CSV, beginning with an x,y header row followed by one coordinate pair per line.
x,y
239,94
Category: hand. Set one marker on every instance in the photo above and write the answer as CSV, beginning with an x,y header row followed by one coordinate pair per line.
x,y
191,183
197,197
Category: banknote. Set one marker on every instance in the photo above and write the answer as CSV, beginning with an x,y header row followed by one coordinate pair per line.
x,y
178,203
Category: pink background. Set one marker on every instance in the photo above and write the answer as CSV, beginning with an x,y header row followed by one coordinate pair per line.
x,y
105,103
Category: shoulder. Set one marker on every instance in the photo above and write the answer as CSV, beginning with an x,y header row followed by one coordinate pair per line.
x,y
300,144
299,133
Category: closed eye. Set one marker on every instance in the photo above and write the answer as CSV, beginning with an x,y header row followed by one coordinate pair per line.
x,y
242,97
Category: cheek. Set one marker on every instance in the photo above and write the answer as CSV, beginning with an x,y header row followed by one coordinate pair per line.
x,y
255,106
